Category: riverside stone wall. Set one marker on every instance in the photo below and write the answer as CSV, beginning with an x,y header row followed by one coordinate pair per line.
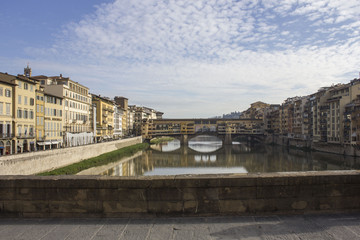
x,y
41,161
237,194
348,150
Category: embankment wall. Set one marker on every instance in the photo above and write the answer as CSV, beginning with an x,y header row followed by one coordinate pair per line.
x,y
237,194
348,150
41,161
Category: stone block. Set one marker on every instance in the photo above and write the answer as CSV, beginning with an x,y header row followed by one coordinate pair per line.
x,y
124,206
164,194
211,194
277,191
35,206
189,194
190,207
208,207
233,206
75,206
7,193
165,207
237,193
237,181
122,194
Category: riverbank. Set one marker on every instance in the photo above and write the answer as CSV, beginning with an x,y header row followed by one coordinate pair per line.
x,y
43,161
100,160
308,145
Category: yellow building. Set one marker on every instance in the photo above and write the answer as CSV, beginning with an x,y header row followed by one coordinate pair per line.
x,y
53,120
6,114
103,111
24,106
40,114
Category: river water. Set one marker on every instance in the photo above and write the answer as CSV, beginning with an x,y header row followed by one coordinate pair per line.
x,y
207,155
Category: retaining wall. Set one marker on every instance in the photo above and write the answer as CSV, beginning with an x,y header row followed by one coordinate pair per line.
x,y
41,161
240,194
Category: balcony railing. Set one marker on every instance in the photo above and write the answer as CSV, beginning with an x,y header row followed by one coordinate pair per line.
x,y
23,135
6,135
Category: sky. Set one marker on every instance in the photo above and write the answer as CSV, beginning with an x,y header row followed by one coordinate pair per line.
x,y
186,58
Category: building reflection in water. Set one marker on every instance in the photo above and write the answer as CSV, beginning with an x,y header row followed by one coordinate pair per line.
x,y
173,159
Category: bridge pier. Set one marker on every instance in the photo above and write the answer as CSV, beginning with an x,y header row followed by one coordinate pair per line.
x,y
228,139
184,140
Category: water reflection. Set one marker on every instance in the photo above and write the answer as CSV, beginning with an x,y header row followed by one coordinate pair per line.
x,y
237,158
167,146
205,144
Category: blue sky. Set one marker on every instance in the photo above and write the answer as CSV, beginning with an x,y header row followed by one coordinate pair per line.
x,y
186,58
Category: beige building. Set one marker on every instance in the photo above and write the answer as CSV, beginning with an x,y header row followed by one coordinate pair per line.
x,y
104,117
339,96
53,121
7,87
76,108
40,117
123,103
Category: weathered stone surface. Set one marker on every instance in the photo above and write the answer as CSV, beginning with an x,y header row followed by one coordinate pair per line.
x,y
165,207
73,196
233,206
237,193
164,194
125,206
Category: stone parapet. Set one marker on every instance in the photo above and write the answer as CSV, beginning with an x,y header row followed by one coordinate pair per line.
x,y
185,195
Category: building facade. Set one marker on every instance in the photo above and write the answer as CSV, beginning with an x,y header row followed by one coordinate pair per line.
x,y
7,87
104,117
77,128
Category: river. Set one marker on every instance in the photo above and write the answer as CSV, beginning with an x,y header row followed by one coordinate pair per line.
x,y
207,155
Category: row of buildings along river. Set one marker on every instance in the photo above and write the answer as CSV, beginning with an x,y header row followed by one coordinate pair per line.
x,y
329,116
41,112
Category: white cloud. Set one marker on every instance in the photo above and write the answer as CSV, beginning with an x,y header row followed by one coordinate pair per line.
x,y
205,58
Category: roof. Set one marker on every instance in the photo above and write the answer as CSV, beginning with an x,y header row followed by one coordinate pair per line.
x,y
7,78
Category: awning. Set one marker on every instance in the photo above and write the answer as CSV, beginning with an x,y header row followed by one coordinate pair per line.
x,y
43,143
354,134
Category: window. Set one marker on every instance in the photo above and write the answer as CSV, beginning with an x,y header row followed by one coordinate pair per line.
x,y
42,108
1,108
1,91
25,100
42,121
19,130
31,88
19,113
26,86
19,99
37,120
31,114
7,93
19,84
32,101
26,113
8,106
37,107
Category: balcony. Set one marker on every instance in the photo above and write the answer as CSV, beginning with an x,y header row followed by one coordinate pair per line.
x,y
6,135
25,136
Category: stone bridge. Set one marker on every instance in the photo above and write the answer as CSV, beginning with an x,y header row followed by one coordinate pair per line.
x,y
185,129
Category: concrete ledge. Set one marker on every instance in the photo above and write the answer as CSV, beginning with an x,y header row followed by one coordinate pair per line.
x,y
203,195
